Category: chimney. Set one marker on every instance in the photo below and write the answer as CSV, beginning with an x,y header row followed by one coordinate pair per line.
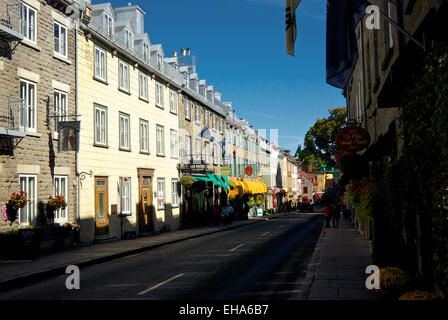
x,y
129,4
182,52
188,51
175,54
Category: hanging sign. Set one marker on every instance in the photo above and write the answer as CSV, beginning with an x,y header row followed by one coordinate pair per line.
x,y
249,170
352,139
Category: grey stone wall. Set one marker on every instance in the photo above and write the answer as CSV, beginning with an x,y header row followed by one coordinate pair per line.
x,y
40,148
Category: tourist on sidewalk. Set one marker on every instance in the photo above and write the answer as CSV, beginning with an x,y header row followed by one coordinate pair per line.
x,y
336,215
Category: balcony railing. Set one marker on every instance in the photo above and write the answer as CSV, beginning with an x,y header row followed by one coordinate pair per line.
x,y
11,109
11,20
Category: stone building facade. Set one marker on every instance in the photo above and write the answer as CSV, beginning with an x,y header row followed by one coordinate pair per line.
x,y
37,90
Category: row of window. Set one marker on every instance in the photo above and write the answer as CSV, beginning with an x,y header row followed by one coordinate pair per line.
x,y
28,28
239,166
126,194
101,133
198,114
27,116
28,183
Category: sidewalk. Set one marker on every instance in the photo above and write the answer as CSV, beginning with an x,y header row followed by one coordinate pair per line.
x,y
13,273
337,269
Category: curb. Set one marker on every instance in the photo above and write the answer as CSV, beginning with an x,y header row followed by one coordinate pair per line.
x,y
311,270
58,270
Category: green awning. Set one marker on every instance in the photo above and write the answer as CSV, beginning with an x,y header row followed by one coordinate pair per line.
x,y
223,185
201,178
213,179
226,180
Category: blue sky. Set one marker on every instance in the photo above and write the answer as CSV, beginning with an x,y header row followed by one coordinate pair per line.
x,y
240,49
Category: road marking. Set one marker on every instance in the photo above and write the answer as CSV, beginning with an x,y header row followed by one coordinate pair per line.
x,y
161,284
265,233
239,246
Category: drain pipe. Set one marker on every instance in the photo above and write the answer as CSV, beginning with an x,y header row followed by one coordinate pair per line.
x,y
76,117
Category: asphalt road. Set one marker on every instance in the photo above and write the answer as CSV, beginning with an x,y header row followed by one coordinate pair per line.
x,y
263,261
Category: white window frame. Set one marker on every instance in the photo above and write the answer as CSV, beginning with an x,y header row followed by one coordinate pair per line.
x,y
161,188
109,25
60,109
198,149
207,153
125,131
174,141
29,112
28,28
188,145
128,38
146,51
174,193
198,114
206,119
123,76
391,35
214,122
221,125
173,101
100,64
144,136
143,86
126,195
159,94
101,127
30,209
159,61
61,46
215,154
160,140
61,215
187,109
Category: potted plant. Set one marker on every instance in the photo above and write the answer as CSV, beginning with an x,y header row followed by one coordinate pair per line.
x,y
53,204
16,202
187,181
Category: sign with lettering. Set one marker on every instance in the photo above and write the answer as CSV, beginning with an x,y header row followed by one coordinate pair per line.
x,y
352,139
249,170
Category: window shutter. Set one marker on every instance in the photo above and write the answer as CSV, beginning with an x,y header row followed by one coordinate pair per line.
x,y
120,190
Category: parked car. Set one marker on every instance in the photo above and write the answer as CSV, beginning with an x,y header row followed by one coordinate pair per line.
x,y
306,206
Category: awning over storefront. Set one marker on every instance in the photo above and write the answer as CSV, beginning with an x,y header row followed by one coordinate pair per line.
x,y
222,183
226,180
241,187
213,179
200,178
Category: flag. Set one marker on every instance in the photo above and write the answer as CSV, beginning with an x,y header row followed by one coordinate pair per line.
x,y
291,30
342,48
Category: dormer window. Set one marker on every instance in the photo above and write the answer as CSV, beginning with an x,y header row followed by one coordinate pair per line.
x,y
108,25
129,41
146,52
159,61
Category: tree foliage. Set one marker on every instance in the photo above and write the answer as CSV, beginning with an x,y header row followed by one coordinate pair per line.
x,y
319,144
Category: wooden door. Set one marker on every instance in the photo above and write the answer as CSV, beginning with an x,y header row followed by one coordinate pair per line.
x,y
101,206
146,207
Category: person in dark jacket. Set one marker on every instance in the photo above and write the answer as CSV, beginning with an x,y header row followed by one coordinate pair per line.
x,y
336,215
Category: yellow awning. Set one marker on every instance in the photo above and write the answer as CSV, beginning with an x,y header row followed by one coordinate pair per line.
x,y
241,187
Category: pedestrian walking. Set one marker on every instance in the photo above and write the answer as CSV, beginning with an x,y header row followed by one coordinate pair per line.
x,y
336,215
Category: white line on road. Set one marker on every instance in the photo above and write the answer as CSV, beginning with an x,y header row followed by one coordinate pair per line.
x,y
265,233
239,246
161,283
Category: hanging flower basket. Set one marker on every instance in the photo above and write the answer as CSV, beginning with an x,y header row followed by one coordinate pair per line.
x,y
187,181
16,202
53,204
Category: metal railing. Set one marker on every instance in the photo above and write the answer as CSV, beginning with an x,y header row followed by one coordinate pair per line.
x,y
11,15
11,113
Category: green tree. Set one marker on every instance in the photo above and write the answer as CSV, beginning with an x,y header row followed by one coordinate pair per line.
x,y
319,144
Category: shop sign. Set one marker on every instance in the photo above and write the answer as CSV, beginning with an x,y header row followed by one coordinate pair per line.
x,y
352,139
249,170
160,196
225,171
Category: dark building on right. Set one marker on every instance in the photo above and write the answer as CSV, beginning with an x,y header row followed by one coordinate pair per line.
x,y
399,93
